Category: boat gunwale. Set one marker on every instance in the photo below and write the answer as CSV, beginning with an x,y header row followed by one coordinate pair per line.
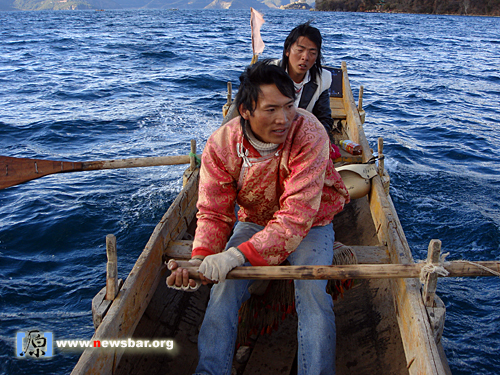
x,y
139,287
421,350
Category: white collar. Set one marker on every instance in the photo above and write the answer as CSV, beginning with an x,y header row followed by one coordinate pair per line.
x,y
261,147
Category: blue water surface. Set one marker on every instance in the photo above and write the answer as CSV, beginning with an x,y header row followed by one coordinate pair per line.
x,y
86,85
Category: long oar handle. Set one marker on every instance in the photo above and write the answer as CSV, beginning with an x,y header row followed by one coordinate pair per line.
x,y
135,162
14,171
354,271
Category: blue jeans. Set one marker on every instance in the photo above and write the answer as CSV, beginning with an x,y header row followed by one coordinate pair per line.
x,y
316,321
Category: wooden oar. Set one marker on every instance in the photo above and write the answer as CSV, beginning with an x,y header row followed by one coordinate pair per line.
x,y
354,271
14,171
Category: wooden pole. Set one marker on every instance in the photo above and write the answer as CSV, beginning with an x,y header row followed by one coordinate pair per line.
x,y
227,106
361,111
355,271
192,156
111,268
430,282
136,162
229,93
14,171
360,99
381,156
103,300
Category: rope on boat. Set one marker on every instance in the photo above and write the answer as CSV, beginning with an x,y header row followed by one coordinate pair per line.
x,y
373,159
493,272
440,270
198,160
383,174
433,268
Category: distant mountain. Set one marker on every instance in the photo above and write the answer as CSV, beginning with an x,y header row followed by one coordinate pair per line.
x,y
298,5
7,5
234,4
176,4
462,7
454,7
37,5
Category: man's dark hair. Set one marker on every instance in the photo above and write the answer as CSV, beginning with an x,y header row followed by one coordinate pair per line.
x,y
304,30
261,73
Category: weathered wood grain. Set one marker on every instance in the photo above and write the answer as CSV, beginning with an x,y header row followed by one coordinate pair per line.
x,y
139,287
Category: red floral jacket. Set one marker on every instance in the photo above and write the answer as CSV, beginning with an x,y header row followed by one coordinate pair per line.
x,y
287,192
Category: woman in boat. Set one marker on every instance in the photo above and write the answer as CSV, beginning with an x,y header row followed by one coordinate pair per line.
x,y
302,61
274,161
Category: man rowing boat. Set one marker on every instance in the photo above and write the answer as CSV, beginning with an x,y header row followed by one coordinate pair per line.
x,y
275,162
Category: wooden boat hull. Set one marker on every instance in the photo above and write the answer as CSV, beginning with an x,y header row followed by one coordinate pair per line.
x,y
138,289
382,325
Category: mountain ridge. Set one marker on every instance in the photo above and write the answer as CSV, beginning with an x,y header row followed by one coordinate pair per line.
x,y
451,7
31,5
438,7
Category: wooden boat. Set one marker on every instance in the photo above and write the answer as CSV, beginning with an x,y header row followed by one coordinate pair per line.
x,y
383,326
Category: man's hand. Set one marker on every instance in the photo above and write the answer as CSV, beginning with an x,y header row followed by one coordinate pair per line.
x,y
179,278
216,267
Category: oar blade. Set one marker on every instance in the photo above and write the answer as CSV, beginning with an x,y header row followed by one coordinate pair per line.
x,y
14,171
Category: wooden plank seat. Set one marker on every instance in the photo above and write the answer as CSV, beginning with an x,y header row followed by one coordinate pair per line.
x,y
338,110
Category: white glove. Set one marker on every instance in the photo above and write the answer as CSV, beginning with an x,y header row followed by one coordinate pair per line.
x,y
216,267
188,288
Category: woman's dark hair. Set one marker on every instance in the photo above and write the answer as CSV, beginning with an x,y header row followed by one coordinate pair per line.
x,y
261,73
304,30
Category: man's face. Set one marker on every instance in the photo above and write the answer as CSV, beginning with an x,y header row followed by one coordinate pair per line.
x,y
273,115
301,57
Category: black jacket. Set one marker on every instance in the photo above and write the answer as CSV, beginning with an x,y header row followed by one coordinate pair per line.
x,y
322,108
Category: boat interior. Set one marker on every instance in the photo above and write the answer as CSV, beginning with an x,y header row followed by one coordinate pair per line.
x,y
368,338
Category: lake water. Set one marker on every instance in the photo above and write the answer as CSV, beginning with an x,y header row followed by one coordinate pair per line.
x,y
88,85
